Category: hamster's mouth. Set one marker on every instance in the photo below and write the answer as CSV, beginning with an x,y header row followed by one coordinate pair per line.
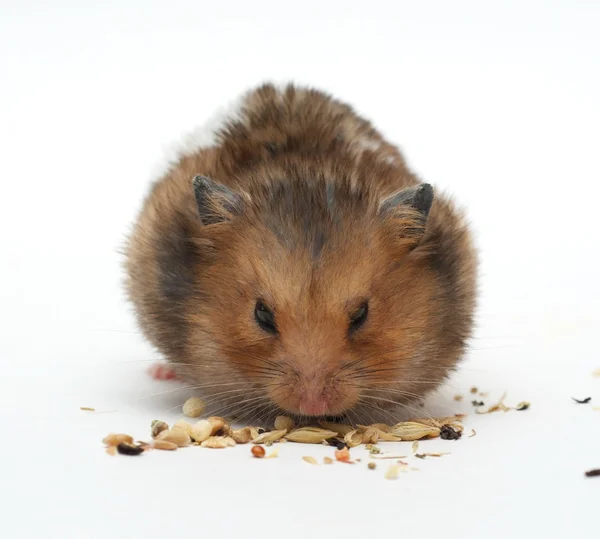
x,y
314,402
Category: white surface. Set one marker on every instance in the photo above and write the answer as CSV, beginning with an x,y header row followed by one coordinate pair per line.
x,y
497,104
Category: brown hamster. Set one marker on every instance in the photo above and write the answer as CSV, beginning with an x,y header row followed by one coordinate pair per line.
x,y
288,260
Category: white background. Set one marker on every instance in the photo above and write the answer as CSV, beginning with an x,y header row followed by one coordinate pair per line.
x,y
496,102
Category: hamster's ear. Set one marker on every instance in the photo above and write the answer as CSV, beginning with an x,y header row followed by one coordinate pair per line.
x,y
216,203
409,208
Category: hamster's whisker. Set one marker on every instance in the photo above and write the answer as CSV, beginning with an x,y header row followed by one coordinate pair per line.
x,y
269,402
407,381
419,411
251,411
213,397
261,410
241,403
378,410
263,371
372,419
188,388
392,391
257,358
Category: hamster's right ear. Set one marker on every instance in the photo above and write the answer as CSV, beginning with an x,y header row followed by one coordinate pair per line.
x,y
216,203
407,211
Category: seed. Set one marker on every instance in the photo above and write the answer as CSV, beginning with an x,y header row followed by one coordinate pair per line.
x,y
116,439
496,407
383,436
355,438
164,445
177,436
372,465
157,426
283,422
340,446
184,425
218,424
129,449
423,455
269,437
372,435
408,431
392,472
242,436
87,409
415,446
343,455
201,430
592,473
523,406
327,460
258,451
379,426
458,398
338,428
448,433
254,433
473,433
261,431
438,422
273,454
218,442
310,460
474,390
193,407
309,435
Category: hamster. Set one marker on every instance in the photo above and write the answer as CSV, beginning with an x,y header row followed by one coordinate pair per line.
x,y
288,261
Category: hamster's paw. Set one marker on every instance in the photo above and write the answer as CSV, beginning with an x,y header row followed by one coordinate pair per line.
x,y
160,371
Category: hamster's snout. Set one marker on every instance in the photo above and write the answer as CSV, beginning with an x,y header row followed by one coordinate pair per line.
x,y
314,394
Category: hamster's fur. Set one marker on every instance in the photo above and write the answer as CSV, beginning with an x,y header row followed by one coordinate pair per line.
x,y
290,261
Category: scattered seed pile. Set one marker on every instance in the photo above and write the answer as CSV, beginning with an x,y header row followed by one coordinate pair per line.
x,y
217,433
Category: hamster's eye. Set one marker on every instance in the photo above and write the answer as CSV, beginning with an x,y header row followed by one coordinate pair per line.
x,y
265,317
359,317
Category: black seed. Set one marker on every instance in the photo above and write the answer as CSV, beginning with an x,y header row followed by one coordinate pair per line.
x,y
260,431
448,433
593,473
340,445
478,403
128,449
584,401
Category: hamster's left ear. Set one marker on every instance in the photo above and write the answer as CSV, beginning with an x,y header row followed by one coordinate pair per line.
x,y
216,202
408,209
